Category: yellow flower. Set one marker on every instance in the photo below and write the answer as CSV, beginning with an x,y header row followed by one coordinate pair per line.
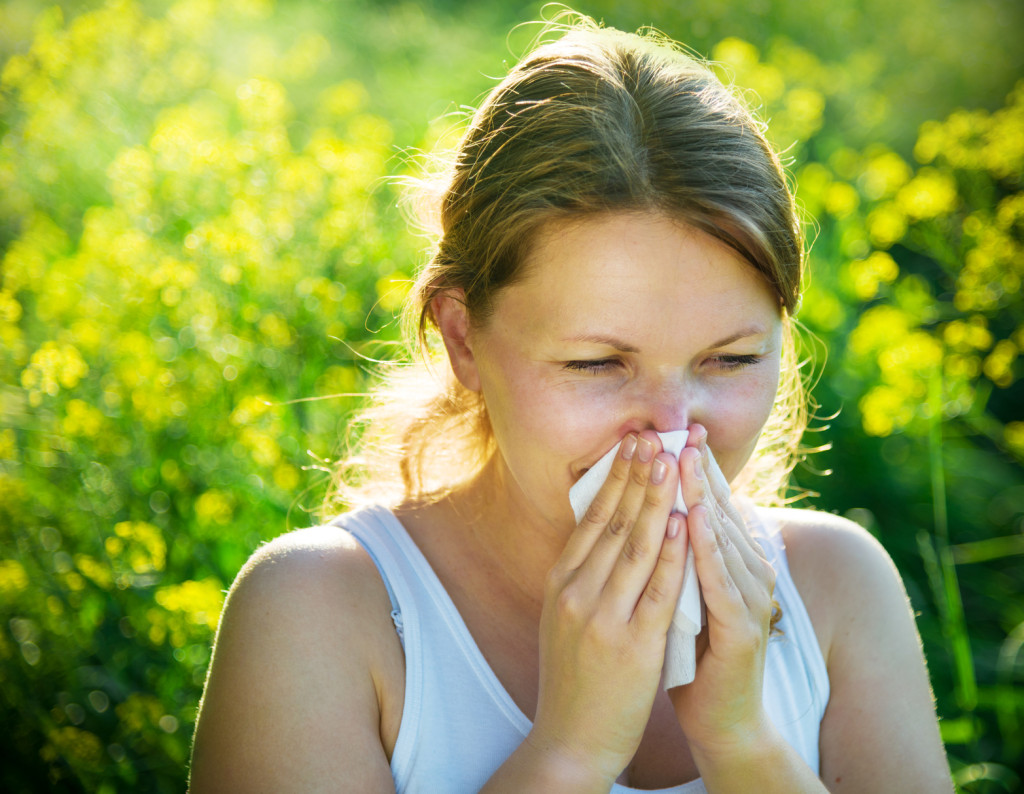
x,y
73,746
52,367
286,477
841,199
998,366
13,578
966,335
884,409
95,571
877,327
344,99
250,408
887,224
1013,434
885,173
199,601
929,194
276,330
868,274
391,291
139,712
214,506
27,259
264,449
141,545
737,53
806,105
131,179
10,309
8,444
81,419
262,103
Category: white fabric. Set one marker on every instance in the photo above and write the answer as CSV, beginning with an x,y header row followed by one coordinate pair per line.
x,y
681,648
458,722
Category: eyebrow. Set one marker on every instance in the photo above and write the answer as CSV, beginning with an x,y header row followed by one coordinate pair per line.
x,y
609,341
625,347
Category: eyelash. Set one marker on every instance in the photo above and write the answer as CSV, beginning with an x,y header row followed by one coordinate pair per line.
x,y
726,362
597,365
736,362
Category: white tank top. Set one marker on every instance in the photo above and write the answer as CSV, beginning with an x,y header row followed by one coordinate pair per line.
x,y
458,722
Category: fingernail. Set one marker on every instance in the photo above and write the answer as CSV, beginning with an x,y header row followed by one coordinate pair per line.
x,y
628,447
659,472
698,469
673,527
646,449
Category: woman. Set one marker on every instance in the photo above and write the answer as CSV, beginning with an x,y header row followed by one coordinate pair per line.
x,y
619,258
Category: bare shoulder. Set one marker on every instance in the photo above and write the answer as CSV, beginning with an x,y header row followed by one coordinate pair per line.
x,y
839,568
825,537
304,665
880,731
308,564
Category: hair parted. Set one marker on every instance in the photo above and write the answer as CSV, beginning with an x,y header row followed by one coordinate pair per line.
x,y
595,120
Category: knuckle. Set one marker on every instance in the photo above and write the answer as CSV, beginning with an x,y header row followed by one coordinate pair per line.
x,y
726,584
594,515
635,549
554,581
568,605
620,524
619,472
639,475
652,497
656,591
720,489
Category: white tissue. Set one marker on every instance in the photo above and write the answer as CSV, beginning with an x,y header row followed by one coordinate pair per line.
x,y
680,653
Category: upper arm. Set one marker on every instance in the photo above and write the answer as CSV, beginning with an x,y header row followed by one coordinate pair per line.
x,y
880,731
291,700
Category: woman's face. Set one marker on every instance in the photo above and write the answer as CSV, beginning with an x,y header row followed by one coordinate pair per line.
x,y
623,322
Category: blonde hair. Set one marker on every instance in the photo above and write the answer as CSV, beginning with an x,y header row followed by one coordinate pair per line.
x,y
594,121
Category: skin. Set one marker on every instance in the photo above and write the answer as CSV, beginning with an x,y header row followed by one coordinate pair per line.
x,y
622,325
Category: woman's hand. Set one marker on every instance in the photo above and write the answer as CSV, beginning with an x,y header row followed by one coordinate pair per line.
x,y
721,711
608,605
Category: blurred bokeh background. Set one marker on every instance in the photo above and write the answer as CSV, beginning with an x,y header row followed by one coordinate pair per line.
x,y
198,233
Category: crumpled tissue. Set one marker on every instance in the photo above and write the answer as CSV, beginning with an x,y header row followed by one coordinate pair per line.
x,y
680,652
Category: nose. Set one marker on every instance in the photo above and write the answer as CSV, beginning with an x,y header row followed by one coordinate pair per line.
x,y
664,406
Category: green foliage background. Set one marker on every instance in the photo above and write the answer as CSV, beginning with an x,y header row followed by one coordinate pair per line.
x,y
196,236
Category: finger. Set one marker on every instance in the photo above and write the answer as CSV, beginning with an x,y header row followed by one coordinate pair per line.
x,y
717,495
733,522
719,486
722,595
640,552
698,493
741,561
736,590
601,510
705,484
609,543
658,601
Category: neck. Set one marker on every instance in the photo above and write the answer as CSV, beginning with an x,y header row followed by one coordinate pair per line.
x,y
507,529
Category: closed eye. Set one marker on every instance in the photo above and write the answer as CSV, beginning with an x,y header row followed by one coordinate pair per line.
x,y
730,362
593,365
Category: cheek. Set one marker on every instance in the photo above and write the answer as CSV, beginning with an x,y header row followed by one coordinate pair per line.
x,y
735,422
546,431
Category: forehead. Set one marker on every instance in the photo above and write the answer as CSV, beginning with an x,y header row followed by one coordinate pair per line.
x,y
624,267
